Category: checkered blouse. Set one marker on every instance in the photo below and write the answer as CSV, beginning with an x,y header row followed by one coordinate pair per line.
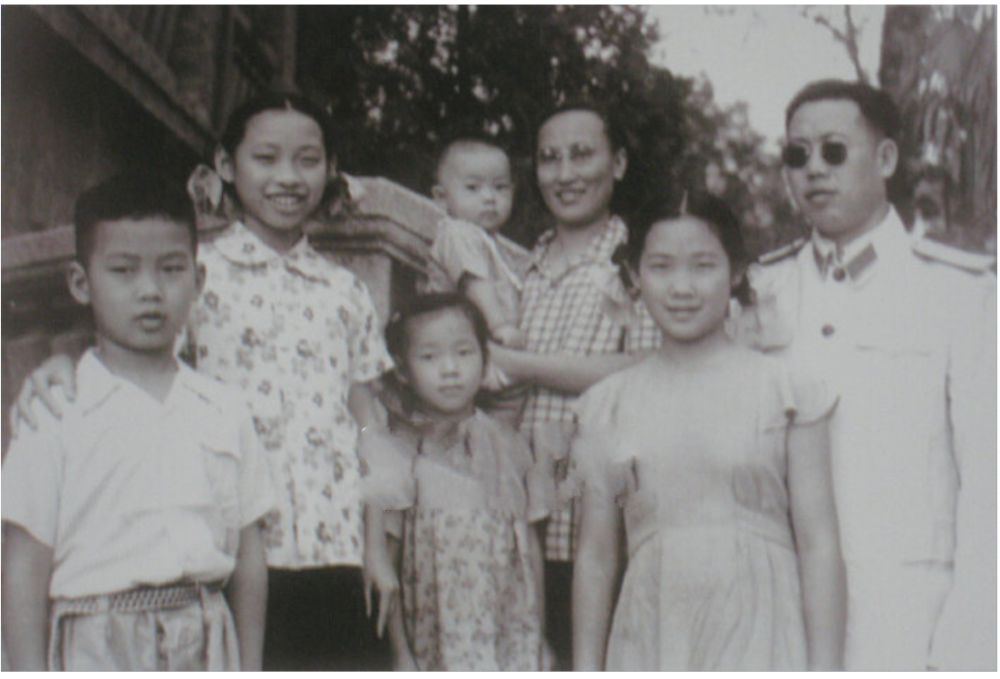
x,y
567,312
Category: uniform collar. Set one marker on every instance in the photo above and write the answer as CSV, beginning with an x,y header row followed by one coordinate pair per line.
x,y
240,246
858,259
599,251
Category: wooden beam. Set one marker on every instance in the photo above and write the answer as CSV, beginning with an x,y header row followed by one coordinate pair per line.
x,y
387,218
288,46
112,45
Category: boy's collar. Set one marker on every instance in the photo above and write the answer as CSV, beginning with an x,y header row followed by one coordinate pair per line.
x,y
96,383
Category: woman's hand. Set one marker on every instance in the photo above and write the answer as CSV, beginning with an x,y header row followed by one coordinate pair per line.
x,y
507,359
58,370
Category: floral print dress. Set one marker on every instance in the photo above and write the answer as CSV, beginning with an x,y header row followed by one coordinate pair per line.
x,y
294,331
462,510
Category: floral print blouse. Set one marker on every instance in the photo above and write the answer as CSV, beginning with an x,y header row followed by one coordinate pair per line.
x,y
294,331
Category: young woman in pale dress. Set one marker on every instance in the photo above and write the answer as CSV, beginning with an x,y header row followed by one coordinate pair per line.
x,y
714,461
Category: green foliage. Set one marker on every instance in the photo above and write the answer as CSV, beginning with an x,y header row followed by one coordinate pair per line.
x,y
939,63
398,77
729,157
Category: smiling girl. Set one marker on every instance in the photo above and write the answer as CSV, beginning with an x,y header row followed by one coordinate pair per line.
x,y
713,460
298,335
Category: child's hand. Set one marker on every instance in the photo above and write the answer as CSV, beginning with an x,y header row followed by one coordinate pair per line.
x,y
58,370
404,662
510,336
547,658
381,575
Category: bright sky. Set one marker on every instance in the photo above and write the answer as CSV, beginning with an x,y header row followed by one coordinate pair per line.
x,y
762,54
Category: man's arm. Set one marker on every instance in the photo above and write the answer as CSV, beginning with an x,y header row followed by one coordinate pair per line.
x,y
27,568
965,637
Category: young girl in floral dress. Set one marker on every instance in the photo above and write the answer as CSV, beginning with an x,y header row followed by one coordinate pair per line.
x,y
460,492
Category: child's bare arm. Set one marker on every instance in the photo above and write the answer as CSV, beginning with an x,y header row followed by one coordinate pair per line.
x,y
483,294
56,370
536,556
363,405
379,568
247,596
814,519
403,660
27,567
594,577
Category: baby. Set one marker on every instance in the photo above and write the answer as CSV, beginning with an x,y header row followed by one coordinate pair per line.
x,y
473,185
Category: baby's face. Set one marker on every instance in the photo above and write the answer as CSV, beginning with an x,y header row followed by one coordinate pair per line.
x,y
474,184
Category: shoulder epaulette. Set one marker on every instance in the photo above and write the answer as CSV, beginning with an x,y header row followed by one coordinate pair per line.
x,y
784,252
975,262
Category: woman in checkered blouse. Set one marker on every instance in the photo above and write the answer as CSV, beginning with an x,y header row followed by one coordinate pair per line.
x,y
579,323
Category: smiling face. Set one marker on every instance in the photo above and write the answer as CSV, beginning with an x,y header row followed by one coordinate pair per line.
x,y
140,279
443,363
846,200
686,279
577,168
279,170
474,184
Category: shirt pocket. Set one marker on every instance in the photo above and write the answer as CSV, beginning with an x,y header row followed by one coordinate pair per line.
x,y
222,473
901,368
894,407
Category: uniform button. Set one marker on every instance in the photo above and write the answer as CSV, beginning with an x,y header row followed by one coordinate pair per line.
x,y
827,330
839,274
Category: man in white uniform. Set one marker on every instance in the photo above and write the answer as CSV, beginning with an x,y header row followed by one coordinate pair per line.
x,y
906,335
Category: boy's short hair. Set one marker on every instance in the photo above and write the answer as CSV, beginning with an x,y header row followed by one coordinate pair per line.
x,y
460,136
876,106
131,195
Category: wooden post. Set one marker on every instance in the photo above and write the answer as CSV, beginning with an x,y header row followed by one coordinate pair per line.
x,y
288,47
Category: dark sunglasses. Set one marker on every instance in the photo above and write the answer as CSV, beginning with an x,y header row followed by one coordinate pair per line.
x,y
797,155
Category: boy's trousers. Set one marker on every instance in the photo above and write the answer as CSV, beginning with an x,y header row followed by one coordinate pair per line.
x,y
182,627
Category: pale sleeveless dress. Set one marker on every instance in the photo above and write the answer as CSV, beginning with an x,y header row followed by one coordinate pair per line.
x,y
697,460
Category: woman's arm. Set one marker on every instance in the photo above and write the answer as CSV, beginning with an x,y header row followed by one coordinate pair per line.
x,y
814,518
563,372
598,561
483,294
27,567
247,597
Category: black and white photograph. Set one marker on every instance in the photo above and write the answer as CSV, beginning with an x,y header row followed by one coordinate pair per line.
x,y
499,338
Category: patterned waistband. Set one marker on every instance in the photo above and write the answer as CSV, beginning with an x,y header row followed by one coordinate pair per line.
x,y
137,600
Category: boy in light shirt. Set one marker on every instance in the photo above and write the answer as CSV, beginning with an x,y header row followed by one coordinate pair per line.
x,y
131,537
